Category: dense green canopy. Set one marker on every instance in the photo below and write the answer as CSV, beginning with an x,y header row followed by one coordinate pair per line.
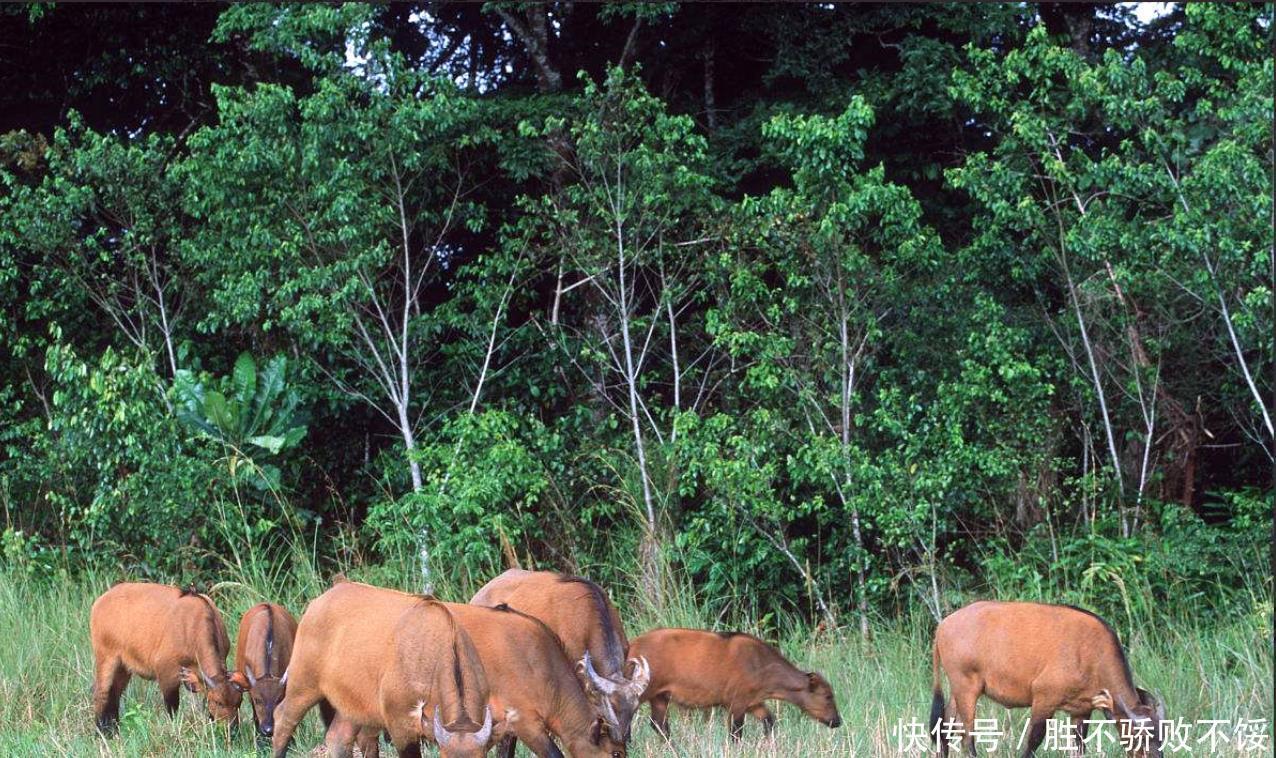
x,y
830,308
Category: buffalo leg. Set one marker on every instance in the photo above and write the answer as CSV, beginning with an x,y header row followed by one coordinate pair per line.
x,y
660,714
737,725
507,747
1079,728
171,689
288,714
965,695
1036,730
763,714
109,682
369,741
536,738
339,736
408,749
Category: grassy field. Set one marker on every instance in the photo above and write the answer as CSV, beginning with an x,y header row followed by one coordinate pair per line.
x,y
46,664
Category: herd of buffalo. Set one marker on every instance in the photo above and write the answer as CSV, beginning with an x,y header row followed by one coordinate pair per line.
x,y
542,658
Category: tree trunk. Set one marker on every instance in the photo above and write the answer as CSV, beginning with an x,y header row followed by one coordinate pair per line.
x,y
710,103
533,32
651,542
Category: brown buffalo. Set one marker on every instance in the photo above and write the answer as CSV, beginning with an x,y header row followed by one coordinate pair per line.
x,y
263,649
1045,657
738,672
166,634
534,685
578,611
386,660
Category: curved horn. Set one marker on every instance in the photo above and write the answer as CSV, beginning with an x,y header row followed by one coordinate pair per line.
x,y
1103,701
642,674
441,735
595,678
485,732
248,672
208,681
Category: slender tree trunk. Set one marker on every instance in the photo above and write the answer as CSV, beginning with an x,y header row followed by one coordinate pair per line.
x,y
677,372
1227,321
409,445
650,557
710,102
631,382
1094,372
847,379
1236,346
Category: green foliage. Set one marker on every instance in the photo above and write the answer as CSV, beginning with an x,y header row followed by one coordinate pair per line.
x,y
251,416
1187,569
119,476
487,494
823,311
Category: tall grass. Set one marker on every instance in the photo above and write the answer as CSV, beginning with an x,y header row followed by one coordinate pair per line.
x,y
1220,671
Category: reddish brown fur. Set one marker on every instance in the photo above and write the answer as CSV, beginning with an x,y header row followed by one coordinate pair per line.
x,y
384,660
737,672
534,684
582,616
263,649
1048,658
161,633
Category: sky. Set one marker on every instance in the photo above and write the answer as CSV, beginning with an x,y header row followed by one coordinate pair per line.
x,y
1145,12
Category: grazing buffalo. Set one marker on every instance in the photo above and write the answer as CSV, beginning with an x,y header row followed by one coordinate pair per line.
x,y
376,659
534,685
578,611
263,649
735,671
169,635
1048,658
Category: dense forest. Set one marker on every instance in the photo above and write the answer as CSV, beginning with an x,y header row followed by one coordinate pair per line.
x,y
828,310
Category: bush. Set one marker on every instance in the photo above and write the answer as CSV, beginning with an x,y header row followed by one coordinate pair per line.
x,y
1179,567
484,494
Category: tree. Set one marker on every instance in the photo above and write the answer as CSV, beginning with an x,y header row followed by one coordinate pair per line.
x,y
625,229
842,240
353,195
1082,203
103,225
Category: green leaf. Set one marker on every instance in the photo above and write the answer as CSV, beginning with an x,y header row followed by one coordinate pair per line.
x,y
245,378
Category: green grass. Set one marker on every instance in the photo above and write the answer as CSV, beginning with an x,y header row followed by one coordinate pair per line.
x,y
1222,672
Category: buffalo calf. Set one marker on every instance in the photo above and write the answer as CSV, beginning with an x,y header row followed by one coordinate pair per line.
x,y
735,671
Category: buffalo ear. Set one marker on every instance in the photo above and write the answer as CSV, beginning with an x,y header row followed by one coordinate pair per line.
x,y
812,681
240,681
188,678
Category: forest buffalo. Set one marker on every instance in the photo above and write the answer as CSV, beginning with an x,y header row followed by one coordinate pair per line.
x,y
172,636
534,686
578,611
731,670
263,649
376,659
1048,658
